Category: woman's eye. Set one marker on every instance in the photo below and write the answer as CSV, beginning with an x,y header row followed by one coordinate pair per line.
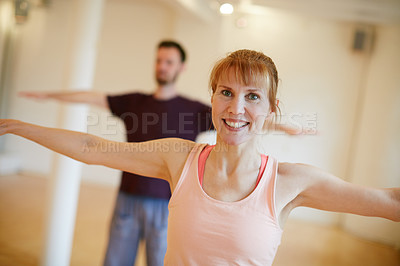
x,y
226,93
253,96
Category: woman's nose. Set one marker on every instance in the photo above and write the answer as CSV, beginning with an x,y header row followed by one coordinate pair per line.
x,y
236,106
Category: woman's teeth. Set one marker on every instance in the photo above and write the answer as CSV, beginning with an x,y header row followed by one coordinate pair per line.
x,y
236,124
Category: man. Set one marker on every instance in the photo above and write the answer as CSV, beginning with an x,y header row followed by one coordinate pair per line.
x,y
141,210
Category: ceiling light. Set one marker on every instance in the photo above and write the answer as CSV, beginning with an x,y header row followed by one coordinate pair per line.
x,y
226,9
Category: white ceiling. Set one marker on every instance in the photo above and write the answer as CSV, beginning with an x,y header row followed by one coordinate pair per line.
x,y
361,11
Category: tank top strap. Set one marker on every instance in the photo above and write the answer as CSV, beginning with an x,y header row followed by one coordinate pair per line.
x,y
264,160
270,177
202,162
192,157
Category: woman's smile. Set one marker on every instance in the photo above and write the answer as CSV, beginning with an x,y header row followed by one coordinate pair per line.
x,y
235,125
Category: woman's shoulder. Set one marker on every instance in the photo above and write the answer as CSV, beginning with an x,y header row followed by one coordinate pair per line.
x,y
301,170
295,176
292,180
177,153
292,169
300,177
179,145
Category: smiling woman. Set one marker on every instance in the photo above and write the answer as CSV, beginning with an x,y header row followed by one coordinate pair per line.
x,y
229,202
244,86
248,68
239,110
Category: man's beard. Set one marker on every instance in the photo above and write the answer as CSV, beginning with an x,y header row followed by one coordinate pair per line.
x,y
164,81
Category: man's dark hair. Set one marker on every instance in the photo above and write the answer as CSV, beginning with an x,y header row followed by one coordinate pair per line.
x,y
169,44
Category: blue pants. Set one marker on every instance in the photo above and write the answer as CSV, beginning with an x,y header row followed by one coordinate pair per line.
x,y
137,218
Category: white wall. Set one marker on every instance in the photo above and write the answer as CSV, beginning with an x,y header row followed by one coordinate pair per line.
x,y
6,22
377,150
321,81
38,64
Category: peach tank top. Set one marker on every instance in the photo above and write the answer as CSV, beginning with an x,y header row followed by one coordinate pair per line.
x,y
206,231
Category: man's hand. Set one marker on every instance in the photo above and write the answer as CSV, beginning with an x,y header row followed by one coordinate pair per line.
x,y
34,95
98,99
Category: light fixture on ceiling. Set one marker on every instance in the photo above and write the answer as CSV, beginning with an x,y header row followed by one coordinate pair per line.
x,y
21,11
226,9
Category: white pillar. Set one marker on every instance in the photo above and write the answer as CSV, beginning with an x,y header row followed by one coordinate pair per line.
x,y
86,21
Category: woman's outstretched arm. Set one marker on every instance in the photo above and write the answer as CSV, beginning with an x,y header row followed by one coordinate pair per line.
x,y
315,188
152,158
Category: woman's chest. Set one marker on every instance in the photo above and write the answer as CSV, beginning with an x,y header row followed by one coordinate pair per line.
x,y
231,188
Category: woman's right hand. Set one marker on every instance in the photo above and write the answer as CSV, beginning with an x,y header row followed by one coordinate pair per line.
x,y
6,125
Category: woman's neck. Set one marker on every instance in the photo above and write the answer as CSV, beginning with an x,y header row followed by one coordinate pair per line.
x,y
235,158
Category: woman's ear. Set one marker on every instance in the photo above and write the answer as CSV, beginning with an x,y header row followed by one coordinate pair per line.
x,y
268,122
270,118
271,115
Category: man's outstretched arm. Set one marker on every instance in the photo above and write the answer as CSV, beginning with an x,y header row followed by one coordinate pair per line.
x,y
98,99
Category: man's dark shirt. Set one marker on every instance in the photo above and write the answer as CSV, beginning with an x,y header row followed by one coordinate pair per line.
x,y
147,118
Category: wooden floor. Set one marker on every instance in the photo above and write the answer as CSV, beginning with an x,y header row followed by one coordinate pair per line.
x,y
22,217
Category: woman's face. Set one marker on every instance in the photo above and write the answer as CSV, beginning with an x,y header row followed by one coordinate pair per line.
x,y
238,111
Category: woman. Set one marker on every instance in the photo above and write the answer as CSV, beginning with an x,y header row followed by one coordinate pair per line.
x,y
229,202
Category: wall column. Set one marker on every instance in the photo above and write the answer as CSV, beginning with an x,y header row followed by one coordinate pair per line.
x,y
64,191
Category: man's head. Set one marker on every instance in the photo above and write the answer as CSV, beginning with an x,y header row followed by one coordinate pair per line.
x,y
170,62
173,44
